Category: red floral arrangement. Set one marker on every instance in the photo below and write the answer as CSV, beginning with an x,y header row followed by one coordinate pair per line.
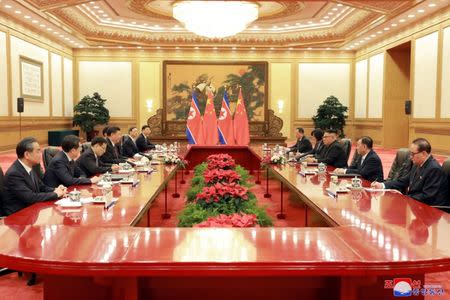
x,y
219,175
220,161
234,220
221,191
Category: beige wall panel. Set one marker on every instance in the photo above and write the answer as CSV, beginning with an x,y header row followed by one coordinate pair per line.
x,y
376,73
280,89
361,89
68,87
317,81
112,80
57,85
445,83
149,90
425,73
3,77
20,47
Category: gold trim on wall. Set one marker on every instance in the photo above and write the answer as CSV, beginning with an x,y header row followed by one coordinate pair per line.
x,y
26,60
50,85
9,73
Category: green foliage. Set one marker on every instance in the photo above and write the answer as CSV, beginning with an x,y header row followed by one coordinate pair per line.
x,y
193,214
90,111
200,169
194,190
245,176
331,115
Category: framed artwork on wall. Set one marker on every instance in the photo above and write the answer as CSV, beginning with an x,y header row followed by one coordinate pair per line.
x,y
31,79
181,77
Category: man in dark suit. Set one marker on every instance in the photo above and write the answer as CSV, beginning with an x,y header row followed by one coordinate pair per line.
x,y
129,147
303,144
143,142
62,168
90,163
112,153
333,153
368,165
426,181
317,151
22,186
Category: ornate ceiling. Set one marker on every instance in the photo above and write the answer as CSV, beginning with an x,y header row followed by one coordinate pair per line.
x,y
343,25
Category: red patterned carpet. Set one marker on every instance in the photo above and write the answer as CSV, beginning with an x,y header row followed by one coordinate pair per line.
x,y
13,287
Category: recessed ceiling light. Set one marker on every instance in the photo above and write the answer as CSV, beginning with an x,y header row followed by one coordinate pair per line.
x,y
393,25
67,39
271,48
27,17
275,27
18,12
196,48
92,2
386,28
8,6
411,16
120,47
215,48
290,48
253,48
330,13
328,48
73,42
310,22
55,32
339,4
431,5
352,46
367,38
298,24
49,29
335,9
234,48
61,36
100,11
421,11
43,25
105,15
372,35
121,21
347,48
309,48
177,47
379,32
139,47
158,47
286,25
134,23
326,17
35,21
96,7
402,20
255,27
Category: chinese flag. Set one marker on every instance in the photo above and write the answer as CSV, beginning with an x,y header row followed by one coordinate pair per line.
x,y
210,122
194,124
225,123
241,131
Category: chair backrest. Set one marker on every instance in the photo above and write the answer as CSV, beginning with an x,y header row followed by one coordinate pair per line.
x,y
38,170
85,146
355,159
401,164
48,155
347,145
446,169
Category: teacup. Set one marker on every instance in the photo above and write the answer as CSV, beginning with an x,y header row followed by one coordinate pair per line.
x,y
356,183
75,195
322,168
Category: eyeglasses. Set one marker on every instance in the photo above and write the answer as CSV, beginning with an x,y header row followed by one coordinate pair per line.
x,y
412,154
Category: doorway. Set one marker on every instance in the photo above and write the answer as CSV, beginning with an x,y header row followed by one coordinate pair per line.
x,y
396,93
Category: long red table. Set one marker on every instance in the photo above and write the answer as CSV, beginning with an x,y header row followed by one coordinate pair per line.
x,y
94,253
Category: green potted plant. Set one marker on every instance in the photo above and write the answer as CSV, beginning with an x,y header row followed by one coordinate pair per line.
x,y
331,115
90,111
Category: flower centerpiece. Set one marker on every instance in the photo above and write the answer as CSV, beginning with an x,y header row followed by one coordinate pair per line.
x,y
276,159
220,161
173,159
234,220
220,175
222,192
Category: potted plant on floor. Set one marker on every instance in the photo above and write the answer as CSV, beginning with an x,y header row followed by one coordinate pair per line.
x,y
89,112
331,114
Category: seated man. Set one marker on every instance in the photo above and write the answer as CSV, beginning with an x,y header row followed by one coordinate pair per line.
x,y
62,168
369,163
426,181
316,138
142,141
129,147
303,144
112,153
22,186
333,154
90,163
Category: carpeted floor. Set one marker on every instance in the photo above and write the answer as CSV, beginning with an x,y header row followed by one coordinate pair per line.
x,y
13,287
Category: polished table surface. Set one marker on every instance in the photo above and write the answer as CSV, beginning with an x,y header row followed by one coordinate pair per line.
x,y
373,233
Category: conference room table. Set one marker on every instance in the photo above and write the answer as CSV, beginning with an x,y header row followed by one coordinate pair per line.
x,y
96,253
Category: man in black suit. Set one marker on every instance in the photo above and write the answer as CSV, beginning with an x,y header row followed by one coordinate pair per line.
x,y
129,147
22,186
303,144
318,150
426,181
90,163
112,153
368,164
62,168
333,154
143,142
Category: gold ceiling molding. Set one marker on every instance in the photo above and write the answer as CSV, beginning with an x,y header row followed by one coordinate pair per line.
x,y
383,7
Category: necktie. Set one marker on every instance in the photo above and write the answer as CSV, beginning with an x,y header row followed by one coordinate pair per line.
x,y
116,153
96,161
72,166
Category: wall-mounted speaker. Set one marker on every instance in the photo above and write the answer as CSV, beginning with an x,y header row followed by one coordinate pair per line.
x,y
408,107
20,105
